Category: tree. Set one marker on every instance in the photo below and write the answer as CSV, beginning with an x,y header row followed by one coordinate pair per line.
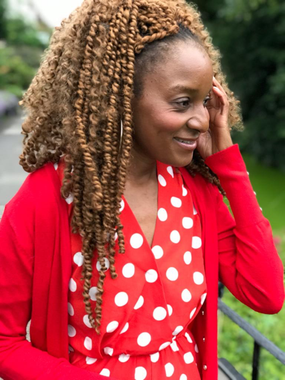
x,y
3,19
251,37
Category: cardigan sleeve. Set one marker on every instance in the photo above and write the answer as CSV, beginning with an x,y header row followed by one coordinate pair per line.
x,y
249,265
19,360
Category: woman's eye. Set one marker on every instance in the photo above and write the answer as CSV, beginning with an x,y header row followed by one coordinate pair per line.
x,y
206,100
183,103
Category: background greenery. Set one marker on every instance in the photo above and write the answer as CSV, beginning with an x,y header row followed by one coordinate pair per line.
x,y
251,37
20,50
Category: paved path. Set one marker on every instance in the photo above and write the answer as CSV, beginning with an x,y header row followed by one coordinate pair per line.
x,y
11,173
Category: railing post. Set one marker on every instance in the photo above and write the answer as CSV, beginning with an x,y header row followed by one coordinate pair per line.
x,y
255,361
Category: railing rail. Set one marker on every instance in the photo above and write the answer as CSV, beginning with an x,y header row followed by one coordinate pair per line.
x,y
260,341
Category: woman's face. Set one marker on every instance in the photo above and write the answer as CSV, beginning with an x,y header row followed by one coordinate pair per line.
x,y
171,113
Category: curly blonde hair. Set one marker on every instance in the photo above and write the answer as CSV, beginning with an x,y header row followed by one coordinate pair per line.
x,y
80,98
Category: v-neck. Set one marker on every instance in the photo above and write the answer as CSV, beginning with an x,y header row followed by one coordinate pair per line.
x,y
150,246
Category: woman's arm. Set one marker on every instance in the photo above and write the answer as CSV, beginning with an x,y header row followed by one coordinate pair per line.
x,y
18,359
249,264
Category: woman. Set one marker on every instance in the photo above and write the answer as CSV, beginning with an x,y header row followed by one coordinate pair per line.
x,y
129,118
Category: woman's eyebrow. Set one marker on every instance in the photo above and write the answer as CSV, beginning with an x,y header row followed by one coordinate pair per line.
x,y
183,88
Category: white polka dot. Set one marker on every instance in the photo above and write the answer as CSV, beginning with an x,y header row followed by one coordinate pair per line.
x,y
247,173
139,303
88,343
184,191
140,373
90,361
105,372
174,346
122,205
203,297
164,345
172,274
161,180
107,264
169,369
192,313
187,257
112,326
188,337
71,331
86,321
108,351
196,348
194,211
126,327
78,259
159,313
144,339
154,357
136,241
151,275
186,295
170,171
176,202
170,310
187,223
72,285
196,242
123,358
188,358
162,214
177,330
175,237
157,251
198,278
128,270
69,199
70,309
92,293
183,377
121,299
55,166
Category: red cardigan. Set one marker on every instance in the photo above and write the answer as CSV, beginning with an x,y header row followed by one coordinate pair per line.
x,y
35,268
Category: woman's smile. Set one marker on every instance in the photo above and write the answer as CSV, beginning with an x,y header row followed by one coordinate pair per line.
x,y
171,113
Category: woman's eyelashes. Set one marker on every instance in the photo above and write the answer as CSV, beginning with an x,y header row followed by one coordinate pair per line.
x,y
183,104
206,100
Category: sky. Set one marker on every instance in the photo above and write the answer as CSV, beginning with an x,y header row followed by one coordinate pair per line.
x,y
51,11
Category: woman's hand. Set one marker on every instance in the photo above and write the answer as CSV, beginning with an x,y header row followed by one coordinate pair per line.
x,y
218,135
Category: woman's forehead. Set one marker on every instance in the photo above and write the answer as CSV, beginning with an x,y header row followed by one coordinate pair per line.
x,y
186,66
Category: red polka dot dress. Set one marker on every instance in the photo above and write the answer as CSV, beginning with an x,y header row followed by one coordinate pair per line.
x,y
148,310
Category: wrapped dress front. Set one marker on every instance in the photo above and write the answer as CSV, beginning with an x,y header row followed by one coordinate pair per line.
x,y
148,310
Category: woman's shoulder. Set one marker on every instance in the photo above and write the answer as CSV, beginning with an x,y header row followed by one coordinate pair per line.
x,y
41,189
197,182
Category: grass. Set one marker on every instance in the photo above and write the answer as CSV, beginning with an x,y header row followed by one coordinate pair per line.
x,y
235,345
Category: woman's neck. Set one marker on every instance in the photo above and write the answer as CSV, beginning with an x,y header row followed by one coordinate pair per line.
x,y
142,169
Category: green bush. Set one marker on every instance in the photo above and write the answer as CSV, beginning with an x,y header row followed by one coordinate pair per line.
x,y
15,74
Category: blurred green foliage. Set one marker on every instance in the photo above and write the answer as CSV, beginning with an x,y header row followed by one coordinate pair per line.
x,y
251,37
20,52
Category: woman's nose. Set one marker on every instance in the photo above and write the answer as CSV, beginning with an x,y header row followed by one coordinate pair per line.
x,y
199,120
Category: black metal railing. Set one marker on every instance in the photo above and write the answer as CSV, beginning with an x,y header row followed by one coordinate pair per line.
x,y
260,341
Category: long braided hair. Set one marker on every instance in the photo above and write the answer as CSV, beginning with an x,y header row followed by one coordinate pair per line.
x,y
79,105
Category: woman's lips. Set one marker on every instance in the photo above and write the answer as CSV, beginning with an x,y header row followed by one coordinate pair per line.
x,y
186,143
